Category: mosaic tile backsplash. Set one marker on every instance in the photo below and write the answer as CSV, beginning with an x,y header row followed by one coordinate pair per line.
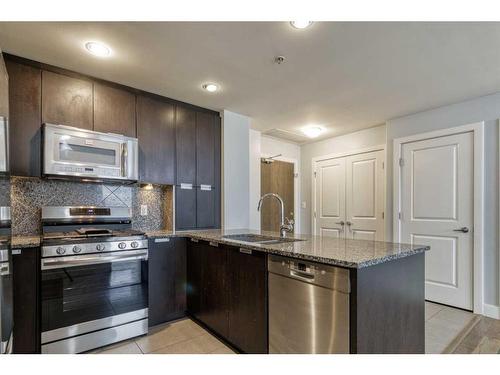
x,y
28,195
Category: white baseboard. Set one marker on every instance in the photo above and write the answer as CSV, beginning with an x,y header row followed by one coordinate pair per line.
x,y
491,311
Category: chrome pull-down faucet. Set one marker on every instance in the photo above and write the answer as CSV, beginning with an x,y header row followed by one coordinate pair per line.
x,y
284,226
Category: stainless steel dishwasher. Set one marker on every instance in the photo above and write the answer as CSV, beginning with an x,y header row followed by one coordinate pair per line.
x,y
308,307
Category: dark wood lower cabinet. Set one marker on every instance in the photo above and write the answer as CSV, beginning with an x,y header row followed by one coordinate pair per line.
x,y
167,279
247,288
26,292
227,292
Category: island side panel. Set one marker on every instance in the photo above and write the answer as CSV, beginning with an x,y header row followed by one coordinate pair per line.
x,y
388,307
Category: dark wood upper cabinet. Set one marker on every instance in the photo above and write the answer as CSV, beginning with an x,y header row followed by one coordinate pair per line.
x,y
206,208
205,149
114,110
66,100
4,89
25,90
156,134
185,129
247,290
185,208
167,279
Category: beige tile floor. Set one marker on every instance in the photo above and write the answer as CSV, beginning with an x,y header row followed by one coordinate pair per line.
x,y
179,337
442,326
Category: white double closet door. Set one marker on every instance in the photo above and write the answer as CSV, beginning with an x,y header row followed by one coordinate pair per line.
x,y
349,197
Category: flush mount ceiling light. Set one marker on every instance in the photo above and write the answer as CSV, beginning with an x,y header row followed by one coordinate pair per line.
x,y
312,131
98,49
300,24
210,87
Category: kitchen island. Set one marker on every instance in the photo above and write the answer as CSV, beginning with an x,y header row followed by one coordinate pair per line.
x,y
229,290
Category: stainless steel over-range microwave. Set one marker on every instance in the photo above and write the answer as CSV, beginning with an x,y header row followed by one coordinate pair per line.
x,y
85,154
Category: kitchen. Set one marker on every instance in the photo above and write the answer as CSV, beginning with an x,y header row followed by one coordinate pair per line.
x,y
130,213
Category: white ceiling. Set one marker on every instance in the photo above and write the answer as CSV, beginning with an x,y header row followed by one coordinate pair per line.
x,y
343,76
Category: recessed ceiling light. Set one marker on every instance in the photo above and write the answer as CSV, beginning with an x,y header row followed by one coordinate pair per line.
x,y
300,24
98,49
210,87
312,131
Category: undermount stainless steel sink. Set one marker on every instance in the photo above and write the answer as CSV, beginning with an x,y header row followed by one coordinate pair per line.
x,y
259,238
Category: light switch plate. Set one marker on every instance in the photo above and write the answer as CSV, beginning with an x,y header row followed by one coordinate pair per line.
x,y
144,210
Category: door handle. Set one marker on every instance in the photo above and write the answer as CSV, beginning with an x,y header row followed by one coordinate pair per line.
x,y
463,230
340,223
348,223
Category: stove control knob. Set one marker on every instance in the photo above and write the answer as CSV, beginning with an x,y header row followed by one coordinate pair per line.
x,y
122,245
77,249
60,250
135,244
100,247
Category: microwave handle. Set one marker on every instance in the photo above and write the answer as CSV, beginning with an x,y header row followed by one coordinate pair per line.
x,y
124,157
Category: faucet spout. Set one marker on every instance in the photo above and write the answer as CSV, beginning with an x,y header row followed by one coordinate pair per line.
x,y
283,227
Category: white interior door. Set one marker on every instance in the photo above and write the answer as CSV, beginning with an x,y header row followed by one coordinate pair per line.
x,y
365,196
330,198
437,201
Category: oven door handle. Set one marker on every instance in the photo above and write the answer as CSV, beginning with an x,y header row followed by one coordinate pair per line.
x,y
83,260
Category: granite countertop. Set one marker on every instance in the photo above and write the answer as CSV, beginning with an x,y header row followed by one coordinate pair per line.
x,y
326,250
25,241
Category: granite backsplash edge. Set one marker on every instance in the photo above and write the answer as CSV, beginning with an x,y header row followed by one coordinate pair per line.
x,y
29,194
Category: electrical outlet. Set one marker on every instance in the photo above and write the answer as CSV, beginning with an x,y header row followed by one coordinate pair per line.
x,y
144,210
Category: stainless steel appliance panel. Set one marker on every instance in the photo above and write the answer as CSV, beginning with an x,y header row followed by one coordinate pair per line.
x,y
4,145
89,341
6,303
308,307
82,153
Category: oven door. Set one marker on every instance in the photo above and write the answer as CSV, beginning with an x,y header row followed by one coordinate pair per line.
x,y
89,293
6,318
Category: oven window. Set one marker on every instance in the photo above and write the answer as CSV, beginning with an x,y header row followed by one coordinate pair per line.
x,y
85,154
79,294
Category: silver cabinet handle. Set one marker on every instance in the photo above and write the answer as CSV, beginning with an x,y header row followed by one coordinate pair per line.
x,y
214,244
194,240
186,186
463,230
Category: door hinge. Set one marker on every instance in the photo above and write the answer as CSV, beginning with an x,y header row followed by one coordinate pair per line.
x,y
383,215
296,175
400,215
401,162
383,165
315,214
314,174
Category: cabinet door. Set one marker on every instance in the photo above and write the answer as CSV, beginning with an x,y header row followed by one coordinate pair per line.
x,y
214,299
66,100
167,280
247,289
185,208
114,110
4,89
194,287
26,274
25,85
185,130
205,208
205,149
155,131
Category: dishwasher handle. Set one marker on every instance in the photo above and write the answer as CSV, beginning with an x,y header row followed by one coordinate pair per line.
x,y
304,276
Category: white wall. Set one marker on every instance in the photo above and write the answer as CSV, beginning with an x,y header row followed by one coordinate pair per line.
x,y
236,167
261,145
255,154
486,108
344,143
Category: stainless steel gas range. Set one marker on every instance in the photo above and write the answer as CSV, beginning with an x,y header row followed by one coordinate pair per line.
x,y
94,283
